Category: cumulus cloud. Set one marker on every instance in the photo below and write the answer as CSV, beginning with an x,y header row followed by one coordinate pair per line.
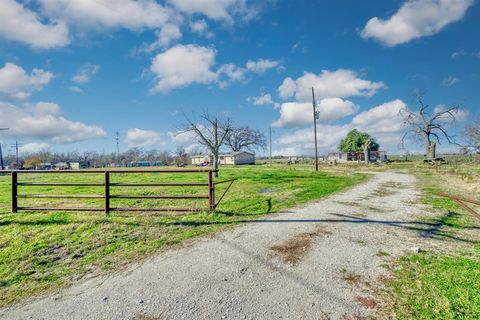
x,y
17,23
86,73
44,122
341,83
167,35
183,65
384,122
15,83
187,140
261,65
265,99
415,19
143,138
297,114
199,26
128,14
386,117
217,9
43,108
34,147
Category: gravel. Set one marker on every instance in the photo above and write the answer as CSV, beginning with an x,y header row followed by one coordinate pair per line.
x,y
236,274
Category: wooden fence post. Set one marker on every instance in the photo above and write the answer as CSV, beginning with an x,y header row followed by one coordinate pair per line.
x,y
107,192
211,192
14,192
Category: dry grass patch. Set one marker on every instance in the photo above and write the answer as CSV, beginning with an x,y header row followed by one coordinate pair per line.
x,y
296,248
350,277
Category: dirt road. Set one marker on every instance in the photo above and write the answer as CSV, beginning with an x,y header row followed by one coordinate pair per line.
x,y
312,262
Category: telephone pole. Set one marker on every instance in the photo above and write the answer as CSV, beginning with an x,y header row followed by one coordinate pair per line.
x,y
271,146
315,117
118,143
16,146
2,165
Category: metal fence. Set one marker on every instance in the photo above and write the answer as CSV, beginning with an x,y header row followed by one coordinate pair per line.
x,y
461,201
107,187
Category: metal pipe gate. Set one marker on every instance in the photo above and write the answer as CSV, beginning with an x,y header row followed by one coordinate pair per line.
x,y
212,205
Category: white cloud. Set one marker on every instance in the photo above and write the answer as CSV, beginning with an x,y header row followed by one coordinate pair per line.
x,y
167,35
295,114
199,26
44,108
75,89
381,119
128,14
383,122
341,83
216,9
181,66
143,138
17,84
232,72
34,147
265,99
45,123
261,65
187,140
415,19
17,23
458,54
86,73
450,81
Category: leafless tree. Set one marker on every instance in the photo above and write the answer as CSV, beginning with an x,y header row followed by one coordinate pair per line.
x,y
245,138
181,157
430,127
472,132
211,132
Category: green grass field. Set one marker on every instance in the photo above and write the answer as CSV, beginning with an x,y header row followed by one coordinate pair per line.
x,y
45,251
441,285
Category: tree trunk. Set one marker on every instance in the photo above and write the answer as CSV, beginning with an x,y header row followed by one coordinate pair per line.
x,y
366,153
431,150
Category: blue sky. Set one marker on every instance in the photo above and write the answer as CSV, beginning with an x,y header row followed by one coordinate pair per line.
x,y
73,72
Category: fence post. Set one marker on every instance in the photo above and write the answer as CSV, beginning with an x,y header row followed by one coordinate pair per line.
x,y
107,192
14,192
211,192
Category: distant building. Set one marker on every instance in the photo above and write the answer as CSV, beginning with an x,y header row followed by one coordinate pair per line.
x,y
375,156
77,165
136,164
234,158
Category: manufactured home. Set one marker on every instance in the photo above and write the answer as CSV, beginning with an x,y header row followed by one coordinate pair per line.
x,y
234,158
338,157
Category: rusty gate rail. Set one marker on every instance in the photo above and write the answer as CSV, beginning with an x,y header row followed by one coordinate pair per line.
x,y
107,188
461,201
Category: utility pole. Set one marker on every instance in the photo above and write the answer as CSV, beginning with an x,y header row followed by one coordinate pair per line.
x,y
271,146
118,143
2,165
315,117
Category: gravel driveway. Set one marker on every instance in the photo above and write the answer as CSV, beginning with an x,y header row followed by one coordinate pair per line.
x,y
311,262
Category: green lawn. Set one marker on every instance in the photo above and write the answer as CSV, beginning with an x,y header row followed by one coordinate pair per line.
x,y
440,285
44,251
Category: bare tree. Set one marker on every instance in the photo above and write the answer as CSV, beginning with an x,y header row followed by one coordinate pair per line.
x,y
181,157
472,132
211,132
245,138
431,127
